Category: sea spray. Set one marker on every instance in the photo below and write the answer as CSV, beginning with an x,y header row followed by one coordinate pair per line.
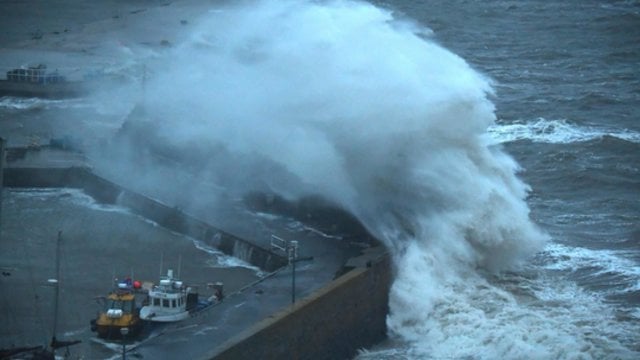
x,y
342,100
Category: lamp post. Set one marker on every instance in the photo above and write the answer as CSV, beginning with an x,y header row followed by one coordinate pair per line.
x,y
292,249
124,331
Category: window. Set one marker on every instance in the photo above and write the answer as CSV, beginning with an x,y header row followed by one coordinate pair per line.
x,y
127,306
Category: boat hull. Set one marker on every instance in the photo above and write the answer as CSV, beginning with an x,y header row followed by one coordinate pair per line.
x,y
150,314
113,331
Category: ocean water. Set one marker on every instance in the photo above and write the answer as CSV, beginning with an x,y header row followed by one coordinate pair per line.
x,y
493,146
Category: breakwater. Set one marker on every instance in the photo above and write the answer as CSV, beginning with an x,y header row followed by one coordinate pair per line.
x,y
347,314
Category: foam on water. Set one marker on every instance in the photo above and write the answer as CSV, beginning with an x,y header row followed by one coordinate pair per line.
x,y
13,103
610,263
539,315
556,132
20,103
222,260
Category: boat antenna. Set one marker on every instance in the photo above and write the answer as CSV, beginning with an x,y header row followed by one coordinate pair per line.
x,y
161,260
179,264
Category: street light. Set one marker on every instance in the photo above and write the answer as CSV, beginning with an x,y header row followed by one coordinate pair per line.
x,y
293,258
124,331
290,248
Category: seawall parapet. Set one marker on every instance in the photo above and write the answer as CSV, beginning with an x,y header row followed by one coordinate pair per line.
x,y
336,321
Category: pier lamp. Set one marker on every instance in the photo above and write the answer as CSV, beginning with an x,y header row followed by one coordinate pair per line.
x,y
290,249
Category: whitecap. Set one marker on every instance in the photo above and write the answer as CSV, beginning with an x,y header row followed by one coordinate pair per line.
x,y
556,132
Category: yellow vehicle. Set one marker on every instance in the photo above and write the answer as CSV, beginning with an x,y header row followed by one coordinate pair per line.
x,y
120,311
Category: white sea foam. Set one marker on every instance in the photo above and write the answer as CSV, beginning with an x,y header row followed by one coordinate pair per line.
x,y
20,103
222,260
298,226
563,257
542,317
601,262
9,102
556,132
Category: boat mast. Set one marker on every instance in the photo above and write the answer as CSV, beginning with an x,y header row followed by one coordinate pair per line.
x,y
55,344
1,178
56,283
179,265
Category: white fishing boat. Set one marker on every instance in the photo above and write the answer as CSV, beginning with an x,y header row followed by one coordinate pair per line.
x,y
169,301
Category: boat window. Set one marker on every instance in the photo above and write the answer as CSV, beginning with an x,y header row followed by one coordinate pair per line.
x,y
156,302
127,307
173,303
114,304
165,302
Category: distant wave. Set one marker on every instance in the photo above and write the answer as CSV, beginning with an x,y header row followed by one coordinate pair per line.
x,y
16,103
20,103
556,132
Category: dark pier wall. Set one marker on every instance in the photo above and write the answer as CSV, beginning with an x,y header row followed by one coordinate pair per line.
x,y
169,217
346,315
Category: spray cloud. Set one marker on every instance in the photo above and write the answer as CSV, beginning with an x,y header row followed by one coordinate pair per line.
x,y
341,99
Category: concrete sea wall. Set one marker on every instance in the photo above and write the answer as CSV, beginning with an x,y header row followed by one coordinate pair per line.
x,y
346,315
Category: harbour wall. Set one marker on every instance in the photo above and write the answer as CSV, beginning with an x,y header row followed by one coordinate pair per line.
x,y
333,323
172,218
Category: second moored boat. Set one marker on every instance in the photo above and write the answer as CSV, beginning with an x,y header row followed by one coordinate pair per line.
x,y
172,300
